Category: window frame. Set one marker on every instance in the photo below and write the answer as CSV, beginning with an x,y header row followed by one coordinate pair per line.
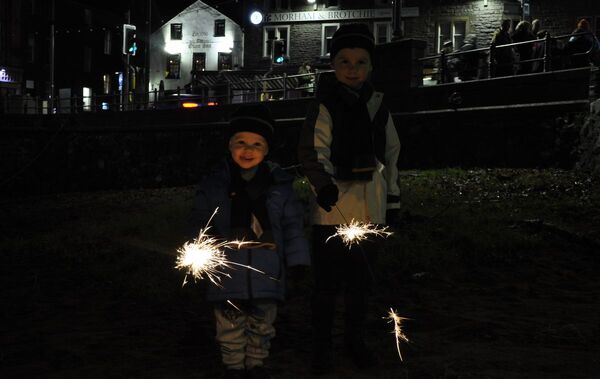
x,y
169,71
388,37
173,34
266,51
217,28
324,52
452,21
221,54
194,56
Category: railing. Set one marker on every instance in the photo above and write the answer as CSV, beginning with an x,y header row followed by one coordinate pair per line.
x,y
482,63
261,88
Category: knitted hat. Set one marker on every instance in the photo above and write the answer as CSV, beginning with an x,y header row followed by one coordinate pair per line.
x,y
255,118
352,36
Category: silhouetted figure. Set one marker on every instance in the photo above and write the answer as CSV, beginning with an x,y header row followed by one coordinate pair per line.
x,y
468,63
539,48
581,42
503,58
522,34
306,82
447,66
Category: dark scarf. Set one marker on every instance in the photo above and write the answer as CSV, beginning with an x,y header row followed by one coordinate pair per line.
x,y
249,198
357,140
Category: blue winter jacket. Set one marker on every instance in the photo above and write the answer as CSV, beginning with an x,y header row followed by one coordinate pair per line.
x,y
285,213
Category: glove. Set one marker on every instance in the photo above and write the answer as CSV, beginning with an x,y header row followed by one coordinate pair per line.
x,y
392,217
327,197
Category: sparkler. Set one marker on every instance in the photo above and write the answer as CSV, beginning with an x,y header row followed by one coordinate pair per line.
x,y
204,257
397,320
357,231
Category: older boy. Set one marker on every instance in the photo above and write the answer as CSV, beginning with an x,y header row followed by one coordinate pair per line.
x,y
349,150
256,202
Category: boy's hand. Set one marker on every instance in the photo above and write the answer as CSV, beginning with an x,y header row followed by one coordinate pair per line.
x,y
327,197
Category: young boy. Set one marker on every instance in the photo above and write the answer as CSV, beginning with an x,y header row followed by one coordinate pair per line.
x,y
257,203
349,150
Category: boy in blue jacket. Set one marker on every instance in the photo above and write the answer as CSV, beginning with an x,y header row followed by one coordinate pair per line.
x,y
256,202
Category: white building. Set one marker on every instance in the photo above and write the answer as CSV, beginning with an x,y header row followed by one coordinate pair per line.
x,y
200,38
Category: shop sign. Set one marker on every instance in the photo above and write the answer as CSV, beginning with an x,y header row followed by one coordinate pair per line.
x,y
339,14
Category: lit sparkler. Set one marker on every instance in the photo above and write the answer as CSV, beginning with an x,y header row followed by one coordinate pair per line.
x,y
397,320
357,231
204,257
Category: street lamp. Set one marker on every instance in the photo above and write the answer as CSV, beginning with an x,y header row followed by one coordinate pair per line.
x,y
256,17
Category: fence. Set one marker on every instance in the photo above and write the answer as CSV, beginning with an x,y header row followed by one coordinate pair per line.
x,y
547,54
259,88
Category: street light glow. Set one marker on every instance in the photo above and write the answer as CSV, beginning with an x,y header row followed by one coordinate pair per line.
x,y
256,17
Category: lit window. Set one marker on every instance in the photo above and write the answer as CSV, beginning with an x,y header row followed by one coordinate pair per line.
x,y
173,66
199,62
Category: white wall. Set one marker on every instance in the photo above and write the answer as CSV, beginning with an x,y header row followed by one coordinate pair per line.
x,y
198,36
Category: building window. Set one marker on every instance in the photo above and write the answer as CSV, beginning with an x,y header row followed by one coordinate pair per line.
x,y
87,16
31,48
219,28
173,66
107,42
199,62
271,33
451,30
327,31
224,61
176,31
383,32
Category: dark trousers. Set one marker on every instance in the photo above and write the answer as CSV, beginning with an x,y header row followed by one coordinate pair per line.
x,y
338,269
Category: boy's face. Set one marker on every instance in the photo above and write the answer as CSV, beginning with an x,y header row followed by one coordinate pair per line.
x,y
248,149
352,66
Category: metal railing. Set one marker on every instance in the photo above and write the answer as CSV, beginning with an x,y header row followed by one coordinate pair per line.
x,y
261,88
483,63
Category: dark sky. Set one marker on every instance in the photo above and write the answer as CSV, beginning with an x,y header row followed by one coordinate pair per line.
x,y
162,10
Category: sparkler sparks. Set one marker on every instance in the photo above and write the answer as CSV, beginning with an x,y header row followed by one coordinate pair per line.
x,y
357,231
204,257
397,320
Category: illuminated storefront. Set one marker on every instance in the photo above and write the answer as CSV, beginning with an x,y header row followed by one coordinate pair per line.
x,y
198,39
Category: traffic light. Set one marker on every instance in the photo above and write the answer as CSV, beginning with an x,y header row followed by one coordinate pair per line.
x,y
278,51
129,39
